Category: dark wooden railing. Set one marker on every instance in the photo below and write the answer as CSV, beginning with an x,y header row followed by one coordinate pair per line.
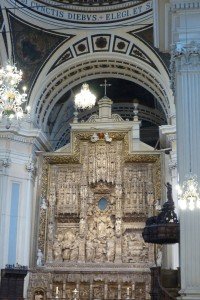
x,y
159,278
163,293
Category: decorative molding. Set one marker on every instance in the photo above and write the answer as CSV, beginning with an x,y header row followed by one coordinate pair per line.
x,y
5,162
184,55
173,165
31,167
183,5
26,135
90,15
98,66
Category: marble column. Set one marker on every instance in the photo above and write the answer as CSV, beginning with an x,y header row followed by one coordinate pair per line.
x,y
186,59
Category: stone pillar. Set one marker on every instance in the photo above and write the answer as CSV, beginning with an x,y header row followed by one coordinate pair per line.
x,y
105,290
133,291
119,291
17,190
64,288
186,59
91,290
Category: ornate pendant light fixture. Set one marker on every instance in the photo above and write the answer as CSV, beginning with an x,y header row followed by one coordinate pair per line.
x,y
85,99
10,98
188,195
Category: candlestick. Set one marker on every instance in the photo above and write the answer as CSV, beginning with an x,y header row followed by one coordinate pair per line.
x,y
57,290
127,291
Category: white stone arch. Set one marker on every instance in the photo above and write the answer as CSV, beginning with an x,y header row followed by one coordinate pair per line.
x,y
149,79
51,85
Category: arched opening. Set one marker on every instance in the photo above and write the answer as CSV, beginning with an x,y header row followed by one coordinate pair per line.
x,y
123,93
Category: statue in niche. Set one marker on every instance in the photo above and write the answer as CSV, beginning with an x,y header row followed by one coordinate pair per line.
x,y
134,248
51,229
118,227
39,258
90,250
57,247
74,250
111,248
159,258
68,241
100,242
100,253
39,296
92,231
102,227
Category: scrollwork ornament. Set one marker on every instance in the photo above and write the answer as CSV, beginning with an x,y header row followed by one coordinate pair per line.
x,y
5,162
187,51
31,167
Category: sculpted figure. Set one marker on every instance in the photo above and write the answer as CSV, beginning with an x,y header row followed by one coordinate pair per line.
x,y
102,229
100,253
39,258
169,192
90,250
82,226
38,296
91,231
57,247
94,138
107,138
111,249
51,229
67,243
159,258
74,250
118,227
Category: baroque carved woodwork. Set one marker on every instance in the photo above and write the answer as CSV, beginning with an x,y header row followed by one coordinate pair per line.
x,y
98,199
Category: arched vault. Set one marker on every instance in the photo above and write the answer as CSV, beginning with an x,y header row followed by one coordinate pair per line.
x,y
80,60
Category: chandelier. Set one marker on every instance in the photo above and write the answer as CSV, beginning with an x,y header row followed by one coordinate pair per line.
x,y
85,99
10,98
188,195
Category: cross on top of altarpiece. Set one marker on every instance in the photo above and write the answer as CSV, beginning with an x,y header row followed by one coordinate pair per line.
x,y
105,85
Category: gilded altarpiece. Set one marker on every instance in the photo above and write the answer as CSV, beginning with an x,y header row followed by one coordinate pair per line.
x,y
98,198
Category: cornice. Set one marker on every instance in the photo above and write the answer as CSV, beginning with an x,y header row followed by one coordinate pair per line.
x,y
183,5
28,136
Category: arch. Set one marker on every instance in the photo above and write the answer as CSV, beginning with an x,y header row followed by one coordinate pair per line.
x,y
98,68
146,70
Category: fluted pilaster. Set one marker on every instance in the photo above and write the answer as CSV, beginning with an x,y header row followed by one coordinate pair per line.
x,y
187,90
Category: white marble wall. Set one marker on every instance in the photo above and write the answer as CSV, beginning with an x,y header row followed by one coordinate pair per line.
x,y
17,166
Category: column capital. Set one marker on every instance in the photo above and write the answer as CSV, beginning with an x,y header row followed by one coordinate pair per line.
x,y
187,51
184,57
